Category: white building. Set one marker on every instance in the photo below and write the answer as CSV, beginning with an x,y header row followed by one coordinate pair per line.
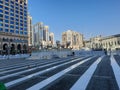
x,y
109,43
74,38
30,31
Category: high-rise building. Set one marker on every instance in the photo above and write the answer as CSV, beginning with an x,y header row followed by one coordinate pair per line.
x,y
74,39
46,33
51,38
30,31
13,26
38,34
42,37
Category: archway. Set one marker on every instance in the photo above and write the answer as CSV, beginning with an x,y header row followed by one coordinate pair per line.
x,y
5,47
18,48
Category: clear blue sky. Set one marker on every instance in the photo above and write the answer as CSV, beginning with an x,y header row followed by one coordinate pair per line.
x,y
89,17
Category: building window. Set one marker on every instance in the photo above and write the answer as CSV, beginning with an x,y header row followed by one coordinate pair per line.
x,y
11,14
1,2
21,17
21,28
6,8
12,31
1,24
21,21
11,26
17,32
21,33
6,17
17,27
17,16
1,29
21,13
17,23
25,33
12,2
11,22
7,0
1,6
6,30
1,20
17,19
118,42
1,11
12,10
7,4
6,21
16,8
25,14
21,24
6,25
16,4
11,6
25,29
17,12
6,12
21,9
21,6
11,18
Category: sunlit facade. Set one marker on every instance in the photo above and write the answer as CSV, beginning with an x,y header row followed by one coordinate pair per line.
x,y
13,26
30,31
109,43
74,38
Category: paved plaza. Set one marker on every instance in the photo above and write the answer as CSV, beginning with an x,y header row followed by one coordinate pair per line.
x,y
88,72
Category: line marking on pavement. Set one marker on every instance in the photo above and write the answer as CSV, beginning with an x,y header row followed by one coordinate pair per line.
x,y
51,79
83,81
31,69
20,80
116,70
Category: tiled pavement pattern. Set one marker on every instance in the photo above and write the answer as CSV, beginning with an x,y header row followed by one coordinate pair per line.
x,y
71,73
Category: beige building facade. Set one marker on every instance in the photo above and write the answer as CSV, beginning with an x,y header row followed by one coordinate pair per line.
x,y
109,43
74,38
13,26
